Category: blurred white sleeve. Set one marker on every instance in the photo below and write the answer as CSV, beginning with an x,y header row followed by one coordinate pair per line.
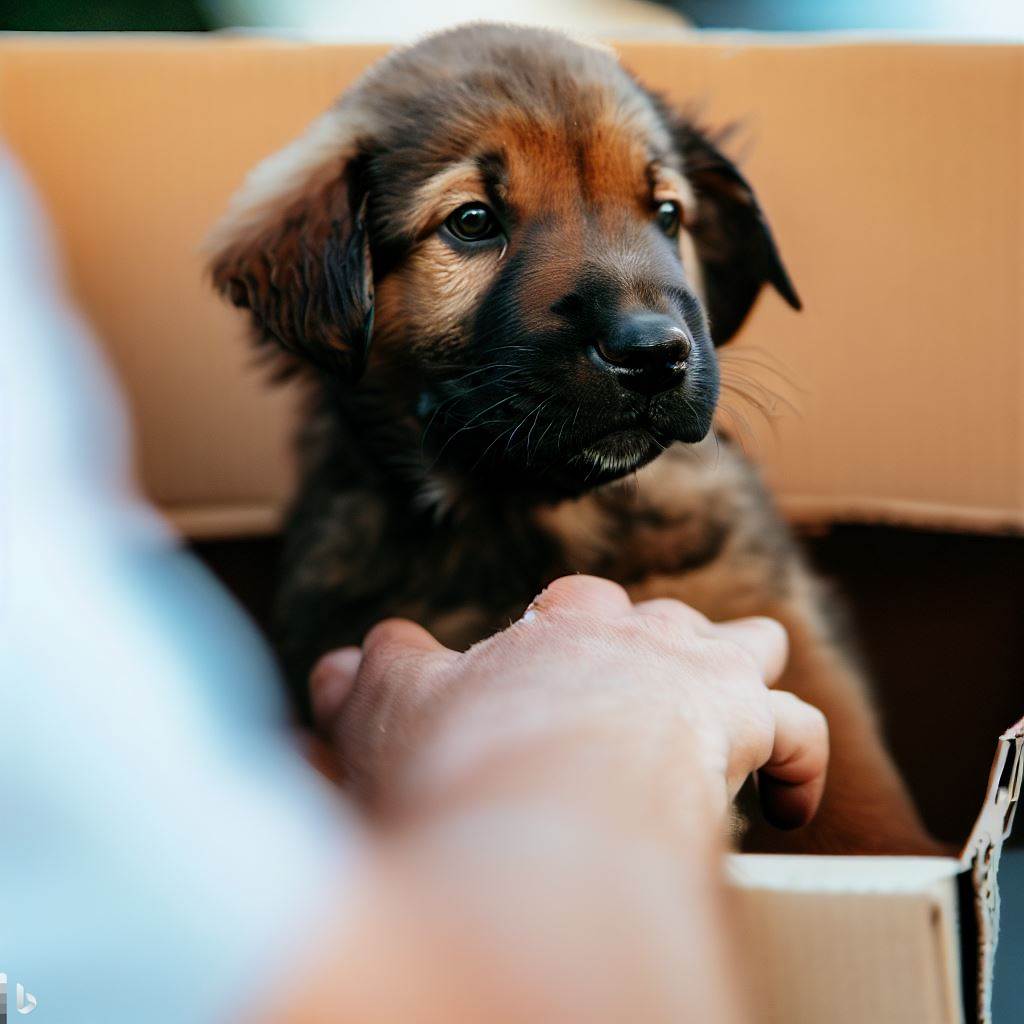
x,y
163,846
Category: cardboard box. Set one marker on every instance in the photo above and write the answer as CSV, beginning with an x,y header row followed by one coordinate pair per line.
x,y
892,173
881,940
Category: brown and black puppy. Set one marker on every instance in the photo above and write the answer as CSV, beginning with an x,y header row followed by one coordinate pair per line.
x,y
505,267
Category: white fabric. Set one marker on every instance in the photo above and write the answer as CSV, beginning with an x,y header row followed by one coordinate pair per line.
x,y
163,845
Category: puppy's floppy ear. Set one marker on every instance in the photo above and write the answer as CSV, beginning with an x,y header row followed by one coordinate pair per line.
x,y
733,241
293,249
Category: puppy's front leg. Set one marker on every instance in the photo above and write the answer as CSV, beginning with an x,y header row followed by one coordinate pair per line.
x,y
866,807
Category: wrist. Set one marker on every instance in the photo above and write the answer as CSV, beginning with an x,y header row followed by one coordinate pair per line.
x,y
584,844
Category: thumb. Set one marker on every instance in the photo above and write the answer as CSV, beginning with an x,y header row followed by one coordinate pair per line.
x,y
352,682
366,701
385,647
331,681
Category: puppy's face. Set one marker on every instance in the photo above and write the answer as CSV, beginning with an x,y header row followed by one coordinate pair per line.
x,y
542,255
549,301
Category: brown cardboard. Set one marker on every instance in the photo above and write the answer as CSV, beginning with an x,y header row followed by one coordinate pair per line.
x,y
851,940
891,171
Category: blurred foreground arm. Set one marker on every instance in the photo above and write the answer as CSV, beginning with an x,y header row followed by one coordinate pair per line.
x,y
553,806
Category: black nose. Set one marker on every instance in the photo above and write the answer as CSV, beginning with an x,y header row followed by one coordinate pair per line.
x,y
647,352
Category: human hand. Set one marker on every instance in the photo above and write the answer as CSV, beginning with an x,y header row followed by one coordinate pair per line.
x,y
406,714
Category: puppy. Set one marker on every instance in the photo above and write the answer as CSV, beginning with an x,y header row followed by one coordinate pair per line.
x,y
504,268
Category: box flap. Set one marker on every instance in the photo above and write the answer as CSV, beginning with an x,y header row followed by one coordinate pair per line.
x,y
982,850
881,939
802,873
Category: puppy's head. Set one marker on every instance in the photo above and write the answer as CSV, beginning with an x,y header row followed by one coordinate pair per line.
x,y
543,255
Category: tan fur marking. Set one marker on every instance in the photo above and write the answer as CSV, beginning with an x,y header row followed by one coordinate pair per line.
x,y
442,194
438,285
670,184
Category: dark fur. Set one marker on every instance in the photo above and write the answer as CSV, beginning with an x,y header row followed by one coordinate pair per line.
x,y
471,462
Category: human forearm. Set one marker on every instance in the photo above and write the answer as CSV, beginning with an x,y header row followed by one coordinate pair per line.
x,y
570,879
588,868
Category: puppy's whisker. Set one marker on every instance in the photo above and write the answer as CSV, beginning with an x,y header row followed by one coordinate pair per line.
x,y
536,420
702,452
741,424
736,415
746,351
452,400
494,441
729,373
489,367
489,383
718,447
770,417
753,392
467,426
561,432
750,400
434,415
740,371
483,412
546,431
522,423
743,357
509,348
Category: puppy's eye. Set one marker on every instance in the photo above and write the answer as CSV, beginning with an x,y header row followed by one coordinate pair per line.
x,y
668,217
473,222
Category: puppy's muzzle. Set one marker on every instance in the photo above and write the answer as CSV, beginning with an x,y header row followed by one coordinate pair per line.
x,y
645,352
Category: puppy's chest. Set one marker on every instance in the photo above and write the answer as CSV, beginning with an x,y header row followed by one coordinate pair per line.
x,y
628,538
700,532
480,579
691,526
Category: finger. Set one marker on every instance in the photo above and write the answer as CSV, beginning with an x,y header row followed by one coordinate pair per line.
x,y
332,680
764,639
393,647
791,782
399,637
388,651
676,613
581,594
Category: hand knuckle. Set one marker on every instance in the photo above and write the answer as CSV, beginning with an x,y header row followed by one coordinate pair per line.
x,y
817,719
382,639
566,590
